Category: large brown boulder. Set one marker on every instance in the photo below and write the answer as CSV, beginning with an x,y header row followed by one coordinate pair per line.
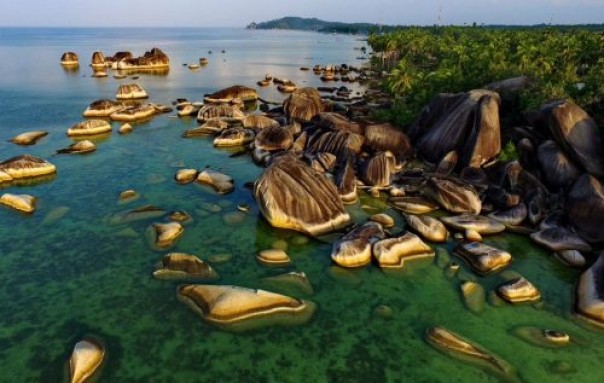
x,y
354,249
274,138
236,92
378,170
557,168
454,196
303,104
341,143
382,137
577,133
585,208
468,124
292,195
26,166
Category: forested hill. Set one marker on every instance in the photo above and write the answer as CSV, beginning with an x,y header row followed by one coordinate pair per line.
x,y
314,24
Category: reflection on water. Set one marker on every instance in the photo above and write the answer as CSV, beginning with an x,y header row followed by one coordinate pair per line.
x,y
69,271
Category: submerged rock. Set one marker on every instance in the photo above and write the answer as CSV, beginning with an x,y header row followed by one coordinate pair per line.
x,y
86,358
28,138
167,233
128,196
512,216
394,252
483,259
26,166
383,219
274,257
220,182
184,266
346,182
559,238
354,249
259,122
185,176
55,215
474,296
590,293
211,127
142,213
274,139
238,309
292,195
295,281
134,113
519,290
454,196
462,349
428,227
378,170
24,203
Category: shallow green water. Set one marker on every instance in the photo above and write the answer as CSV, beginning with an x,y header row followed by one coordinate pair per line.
x,y
83,276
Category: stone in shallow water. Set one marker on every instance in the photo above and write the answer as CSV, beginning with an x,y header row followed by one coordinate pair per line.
x,y
383,311
459,348
55,215
384,219
238,309
518,291
85,360
428,227
125,129
89,128
413,205
24,203
184,266
394,252
128,196
220,182
590,293
474,296
483,259
354,249
180,216
80,147
344,276
296,282
478,223
280,244
274,257
234,218
167,233
26,166
512,216
28,138
540,337
220,258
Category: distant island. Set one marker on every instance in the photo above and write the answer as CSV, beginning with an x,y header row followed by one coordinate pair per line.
x,y
316,25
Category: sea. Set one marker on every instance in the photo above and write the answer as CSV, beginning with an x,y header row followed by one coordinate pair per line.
x,y
72,271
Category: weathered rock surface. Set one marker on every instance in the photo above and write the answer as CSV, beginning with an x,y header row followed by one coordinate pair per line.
x,y
558,169
379,169
134,113
354,249
234,137
130,92
185,176
519,290
454,196
167,233
413,205
512,216
559,238
385,137
292,195
341,143
274,138
259,122
80,147
26,166
237,308
394,252
484,259
346,182
89,128
428,227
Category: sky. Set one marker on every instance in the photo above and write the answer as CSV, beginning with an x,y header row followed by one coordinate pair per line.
x,y
239,13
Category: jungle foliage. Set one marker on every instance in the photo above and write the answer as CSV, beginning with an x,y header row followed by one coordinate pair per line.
x,y
561,62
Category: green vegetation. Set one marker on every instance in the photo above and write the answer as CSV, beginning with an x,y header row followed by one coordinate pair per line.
x,y
314,24
561,62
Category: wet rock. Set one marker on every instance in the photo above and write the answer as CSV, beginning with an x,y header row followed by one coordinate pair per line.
x,y
80,147
454,196
102,108
237,309
346,182
383,311
230,94
483,259
344,276
234,137
354,249
474,296
303,104
128,196
125,129
590,293
394,252
234,218
383,219
459,348
542,338
413,205
378,170
222,183
86,358
342,144
585,208
142,213
292,195
296,282
385,137
167,233
130,92
274,258
89,127
518,291
24,203
28,138
558,239
185,176
274,139
428,227
176,266
55,215
478,223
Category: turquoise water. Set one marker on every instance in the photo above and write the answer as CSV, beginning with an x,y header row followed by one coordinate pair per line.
x,y
82,275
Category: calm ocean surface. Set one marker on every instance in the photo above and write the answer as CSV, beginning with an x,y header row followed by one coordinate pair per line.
x,y
68,271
